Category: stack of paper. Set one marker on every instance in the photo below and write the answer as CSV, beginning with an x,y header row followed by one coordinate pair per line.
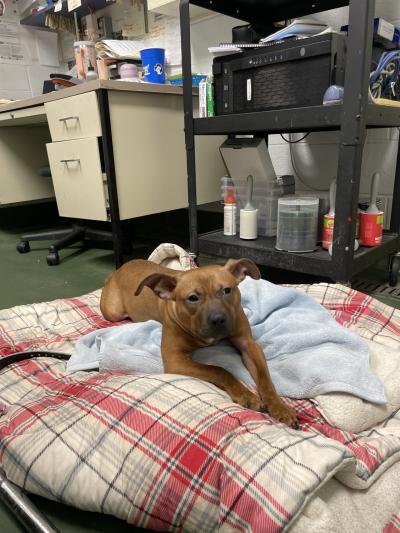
x,y
298,28
114,49
224,50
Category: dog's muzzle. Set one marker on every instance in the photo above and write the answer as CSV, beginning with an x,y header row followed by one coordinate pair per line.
x,y
219,324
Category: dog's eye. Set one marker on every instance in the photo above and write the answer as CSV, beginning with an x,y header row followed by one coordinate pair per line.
x,y
193,298
226,290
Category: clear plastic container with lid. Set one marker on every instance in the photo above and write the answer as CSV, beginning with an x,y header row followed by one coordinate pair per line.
x,y
265,199
85,56
297,224
129,72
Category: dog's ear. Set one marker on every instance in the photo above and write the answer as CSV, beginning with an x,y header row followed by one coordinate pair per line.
x,y
240,268
162,284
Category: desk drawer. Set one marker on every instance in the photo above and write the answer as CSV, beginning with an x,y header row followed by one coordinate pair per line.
x,y
77,179
30,115
75,117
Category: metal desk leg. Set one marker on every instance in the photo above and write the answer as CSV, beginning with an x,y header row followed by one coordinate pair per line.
x,y
111,178
189,133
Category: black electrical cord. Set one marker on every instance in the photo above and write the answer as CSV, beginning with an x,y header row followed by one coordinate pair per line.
x,y
298,140
22,356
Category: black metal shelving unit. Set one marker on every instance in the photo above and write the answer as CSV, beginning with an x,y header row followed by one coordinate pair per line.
x,y
352,118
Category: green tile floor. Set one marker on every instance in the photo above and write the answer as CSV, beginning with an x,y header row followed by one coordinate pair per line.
x,y
26,278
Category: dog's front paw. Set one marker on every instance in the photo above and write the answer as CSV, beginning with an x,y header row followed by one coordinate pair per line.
x,y
281,412
246,398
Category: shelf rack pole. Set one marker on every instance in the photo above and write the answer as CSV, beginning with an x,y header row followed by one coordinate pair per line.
x,y
395,217
188,122
352,134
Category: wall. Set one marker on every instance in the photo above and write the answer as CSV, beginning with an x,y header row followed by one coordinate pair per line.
x,y
206,32
24,79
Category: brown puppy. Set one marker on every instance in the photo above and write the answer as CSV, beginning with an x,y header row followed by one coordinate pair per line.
x,y
196,308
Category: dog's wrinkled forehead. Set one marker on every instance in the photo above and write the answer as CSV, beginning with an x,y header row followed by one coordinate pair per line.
x,y
205,281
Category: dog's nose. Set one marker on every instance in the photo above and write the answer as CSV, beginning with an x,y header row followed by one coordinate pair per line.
x,y
217,320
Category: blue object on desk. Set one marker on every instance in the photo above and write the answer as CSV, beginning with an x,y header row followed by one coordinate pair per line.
x,y
153,62
178,80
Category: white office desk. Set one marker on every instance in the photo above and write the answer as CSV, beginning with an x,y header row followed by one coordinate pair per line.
x,y
115,149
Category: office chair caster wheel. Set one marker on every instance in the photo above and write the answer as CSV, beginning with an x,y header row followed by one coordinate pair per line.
x,y
394,270
23,247
53,259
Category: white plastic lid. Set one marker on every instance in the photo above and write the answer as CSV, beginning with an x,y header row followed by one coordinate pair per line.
x,y
129,68
301,201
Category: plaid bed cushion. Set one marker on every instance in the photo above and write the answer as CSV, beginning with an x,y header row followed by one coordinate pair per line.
x,y
170,452
394,525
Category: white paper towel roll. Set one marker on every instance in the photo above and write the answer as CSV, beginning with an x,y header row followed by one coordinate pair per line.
x,y
248,223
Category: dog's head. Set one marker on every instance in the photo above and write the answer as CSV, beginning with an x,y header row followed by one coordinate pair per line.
x,y
203,301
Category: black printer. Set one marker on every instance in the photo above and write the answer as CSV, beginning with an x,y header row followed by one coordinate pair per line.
x,y
292,73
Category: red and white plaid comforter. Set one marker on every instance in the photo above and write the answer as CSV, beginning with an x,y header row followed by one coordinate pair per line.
x,y
169,452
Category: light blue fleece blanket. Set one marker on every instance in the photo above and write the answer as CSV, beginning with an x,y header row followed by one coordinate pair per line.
x,y
308,352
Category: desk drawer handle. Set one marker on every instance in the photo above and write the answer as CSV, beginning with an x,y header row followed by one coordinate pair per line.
x,y
68,118
66,161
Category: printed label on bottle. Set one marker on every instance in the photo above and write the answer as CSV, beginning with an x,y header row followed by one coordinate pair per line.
x,y
203,99
371,229
327,232
230,219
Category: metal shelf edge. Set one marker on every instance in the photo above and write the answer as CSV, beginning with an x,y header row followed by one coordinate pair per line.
x,y
298,119
266,10
383,116
315,263
367,256
294,119
306,263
